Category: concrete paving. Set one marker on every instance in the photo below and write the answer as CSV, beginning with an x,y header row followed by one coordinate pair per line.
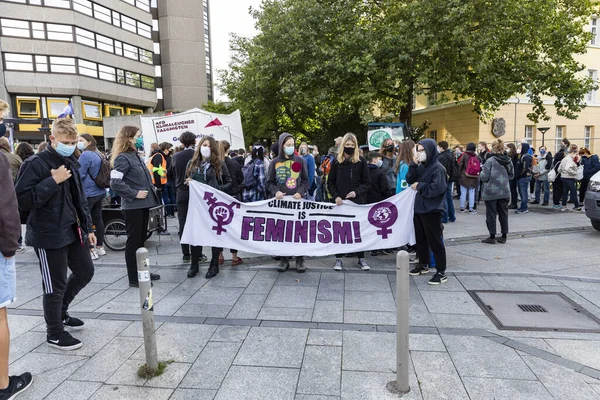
x,y
254,333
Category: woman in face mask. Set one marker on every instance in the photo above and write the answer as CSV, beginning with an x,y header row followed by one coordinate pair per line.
x,y
349,179
311,168
206,167
90,162
131,180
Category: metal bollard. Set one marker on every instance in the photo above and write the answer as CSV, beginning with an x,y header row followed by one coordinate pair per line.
x,y
147,306
401,385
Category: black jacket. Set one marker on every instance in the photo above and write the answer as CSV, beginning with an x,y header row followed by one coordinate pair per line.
x,y
431,177
558,159
524,162
448,160
222,183
379,190
130,175
349,177
180,162
54,210
237,176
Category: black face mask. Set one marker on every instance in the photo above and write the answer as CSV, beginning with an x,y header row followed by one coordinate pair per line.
x,y
389,148
350,150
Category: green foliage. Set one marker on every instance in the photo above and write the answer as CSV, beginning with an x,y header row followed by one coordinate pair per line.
x,y
146,373
318,68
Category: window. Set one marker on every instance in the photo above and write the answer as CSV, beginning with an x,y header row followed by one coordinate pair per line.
x,y
128,23
134,111
118,48
107,73
64,65
28,108
587,137
143,5
146,56
41,63
56,107
91,111
58,3
432,135
159,93
85,37
432,98
593,75
88,68
13,27
594,29
132,79
83,6
102,13
18,62
105,43
132,2
529,134
147,82
116,19
120,76
156,48
155,25
39,32
59,32
144,30
113,111
130,51
158,71
558,137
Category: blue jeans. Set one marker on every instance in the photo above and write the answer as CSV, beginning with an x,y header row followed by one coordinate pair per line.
x,y
8,281
168,197
463,197
523,184
449,209
538,188
569,188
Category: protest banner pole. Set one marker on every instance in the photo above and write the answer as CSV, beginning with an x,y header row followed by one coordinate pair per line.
x,y
401,385
147,307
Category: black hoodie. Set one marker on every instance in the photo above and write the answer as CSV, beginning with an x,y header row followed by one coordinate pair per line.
x,y
523,169
287,174
431,178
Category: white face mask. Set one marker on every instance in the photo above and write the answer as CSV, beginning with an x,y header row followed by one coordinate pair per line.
x,y
205,151
423,157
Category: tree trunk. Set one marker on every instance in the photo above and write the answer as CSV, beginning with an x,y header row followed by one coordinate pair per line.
x,y
406,110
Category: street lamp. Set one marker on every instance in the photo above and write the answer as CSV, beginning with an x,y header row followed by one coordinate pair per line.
x,y
543,131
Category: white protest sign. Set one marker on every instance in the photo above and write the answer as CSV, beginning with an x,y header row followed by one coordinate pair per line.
x,y
377,136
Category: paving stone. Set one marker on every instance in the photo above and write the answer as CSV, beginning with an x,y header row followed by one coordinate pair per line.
x,y
505,389
19,324
285,314
370,317
331,291
102,365
322,337
203,310
483,358
209,370
418,313
23,344
369,351
111,392
367,283
179,342
582,351
171,275
273,347
321,371
193,394
596,387
473,282
315,397
262,283
453,285
38,363
189,286
295,279
462,321
73,390
538,344
96,301
259,383
546,281
90,289
223,296
332,277
135,329
369,301
169,304
292,297
248,306
236,279
582,286
108,274
225,333
46,382
437,377
127,374
171,377
519,283
372,386
562,383
450,303
419,342
328,311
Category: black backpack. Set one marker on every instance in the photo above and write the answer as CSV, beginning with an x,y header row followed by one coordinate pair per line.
x,y
103,177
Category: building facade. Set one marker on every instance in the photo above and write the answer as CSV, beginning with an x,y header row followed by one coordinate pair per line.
x,y
456,123
106,58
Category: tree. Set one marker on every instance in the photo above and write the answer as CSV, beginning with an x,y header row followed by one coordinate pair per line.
x,y
320,68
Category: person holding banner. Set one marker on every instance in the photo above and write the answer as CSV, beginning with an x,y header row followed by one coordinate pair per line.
x,y
206,167
288,176
254,176
349,179
427,176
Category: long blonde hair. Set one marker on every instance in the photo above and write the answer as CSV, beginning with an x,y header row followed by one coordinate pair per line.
x,y
224,147
341,156
405,153
215,160
122,143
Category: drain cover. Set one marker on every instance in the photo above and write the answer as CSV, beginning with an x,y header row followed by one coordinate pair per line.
x,y
535,311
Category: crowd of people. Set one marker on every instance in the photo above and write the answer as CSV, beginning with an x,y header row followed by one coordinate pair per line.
x,y
59,193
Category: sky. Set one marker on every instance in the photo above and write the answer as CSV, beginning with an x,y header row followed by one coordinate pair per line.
x,y
228,16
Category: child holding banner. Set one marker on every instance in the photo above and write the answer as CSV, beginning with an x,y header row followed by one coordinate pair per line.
x,y
206,167
288,176
349,179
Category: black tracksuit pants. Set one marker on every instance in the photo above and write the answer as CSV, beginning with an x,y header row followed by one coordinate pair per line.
x,y
59,291
499,209
557,191
429,235
136,223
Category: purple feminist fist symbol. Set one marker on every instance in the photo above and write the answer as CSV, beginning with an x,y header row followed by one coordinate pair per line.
x,y
383,216
220,212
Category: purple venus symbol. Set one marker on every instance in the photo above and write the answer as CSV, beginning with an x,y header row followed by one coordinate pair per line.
x,y
221,213
383,216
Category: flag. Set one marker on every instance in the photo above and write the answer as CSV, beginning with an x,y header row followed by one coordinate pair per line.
x,y
68,111
214,122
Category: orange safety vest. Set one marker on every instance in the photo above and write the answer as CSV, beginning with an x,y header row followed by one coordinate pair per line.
x,y
162,169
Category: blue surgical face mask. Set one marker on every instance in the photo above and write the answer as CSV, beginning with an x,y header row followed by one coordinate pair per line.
x,y
289,150
139,142
379,163
81,146
65,150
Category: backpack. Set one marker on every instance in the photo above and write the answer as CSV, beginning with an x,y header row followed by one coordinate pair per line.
x,y
453,170
103,177
473,167
250,180
326,164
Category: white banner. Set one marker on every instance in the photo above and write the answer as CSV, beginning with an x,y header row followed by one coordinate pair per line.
x,y
376,137
201,123
291,227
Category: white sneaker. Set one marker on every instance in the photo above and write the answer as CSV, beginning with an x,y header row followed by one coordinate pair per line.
x,y
338,264
363,264
21,249
100,251
94,254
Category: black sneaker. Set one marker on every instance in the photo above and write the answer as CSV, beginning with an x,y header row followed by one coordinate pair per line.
x,y
419,269
72,323
300,268
154,277
489,241
187,258
545,203
64,341
194,269
438,279
535,202
16,385
284,264
501,240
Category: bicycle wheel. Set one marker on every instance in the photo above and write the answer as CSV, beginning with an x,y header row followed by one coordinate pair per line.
x,y
115,235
